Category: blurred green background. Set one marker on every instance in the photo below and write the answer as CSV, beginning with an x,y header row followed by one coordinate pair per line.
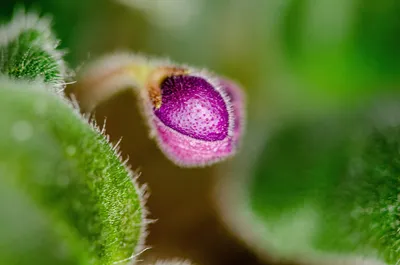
x,y
301,62
292,56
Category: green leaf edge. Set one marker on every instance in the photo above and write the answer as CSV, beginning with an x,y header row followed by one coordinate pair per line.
x,y
32,89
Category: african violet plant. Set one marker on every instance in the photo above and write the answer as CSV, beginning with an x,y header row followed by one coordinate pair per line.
x,y
67,198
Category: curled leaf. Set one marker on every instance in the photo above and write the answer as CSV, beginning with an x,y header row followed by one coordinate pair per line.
x,y
28,50
83,197
326,191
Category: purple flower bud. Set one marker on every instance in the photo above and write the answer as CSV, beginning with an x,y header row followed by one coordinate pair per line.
x,y
196,120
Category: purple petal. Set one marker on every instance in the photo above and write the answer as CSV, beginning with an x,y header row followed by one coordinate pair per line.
x,y
187,151
192,106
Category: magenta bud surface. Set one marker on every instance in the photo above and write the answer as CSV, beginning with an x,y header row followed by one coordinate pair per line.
x,y
199,121
191,106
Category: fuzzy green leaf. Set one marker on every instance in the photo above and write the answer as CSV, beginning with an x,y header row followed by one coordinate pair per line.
x,y
322,190
28,233
28,50
71,190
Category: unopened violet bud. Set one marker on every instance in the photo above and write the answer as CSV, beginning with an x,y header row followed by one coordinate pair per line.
x,y
198,119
